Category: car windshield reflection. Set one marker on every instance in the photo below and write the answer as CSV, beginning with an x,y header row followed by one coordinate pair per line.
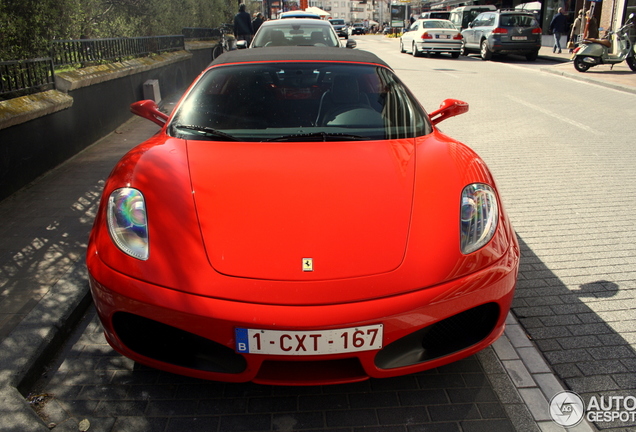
x,y
299,102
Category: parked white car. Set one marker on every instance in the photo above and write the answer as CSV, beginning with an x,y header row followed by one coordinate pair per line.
x,y
426,36
295,32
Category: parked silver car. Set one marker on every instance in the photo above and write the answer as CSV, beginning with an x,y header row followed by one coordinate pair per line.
x,y
503,32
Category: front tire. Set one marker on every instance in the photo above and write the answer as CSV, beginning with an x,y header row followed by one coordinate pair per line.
x,y
631,62
455,55
486,54
580,65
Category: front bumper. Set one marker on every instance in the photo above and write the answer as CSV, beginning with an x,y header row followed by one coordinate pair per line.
x,y
194,336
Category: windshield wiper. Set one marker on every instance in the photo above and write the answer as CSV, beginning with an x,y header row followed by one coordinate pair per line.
x,y
324,135
205,129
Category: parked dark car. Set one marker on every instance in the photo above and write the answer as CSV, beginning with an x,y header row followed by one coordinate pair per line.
x,y
503,32
341,28
358,29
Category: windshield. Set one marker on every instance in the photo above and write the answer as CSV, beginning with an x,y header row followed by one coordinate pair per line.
x,y
299,102
336,21
294,34
518,21
438,24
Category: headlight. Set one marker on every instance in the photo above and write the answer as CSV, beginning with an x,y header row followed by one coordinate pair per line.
x,y
479,216
127,223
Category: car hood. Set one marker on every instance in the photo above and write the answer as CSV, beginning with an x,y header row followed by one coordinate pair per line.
x,y
303,211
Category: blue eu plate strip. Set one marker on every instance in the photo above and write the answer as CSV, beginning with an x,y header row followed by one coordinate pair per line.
x,y
242,341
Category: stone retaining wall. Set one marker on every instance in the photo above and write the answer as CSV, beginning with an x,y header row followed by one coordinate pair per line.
x,y
40,131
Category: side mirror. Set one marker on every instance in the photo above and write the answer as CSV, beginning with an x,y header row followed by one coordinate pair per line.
x,y
448,108
242,44
351,43
148,109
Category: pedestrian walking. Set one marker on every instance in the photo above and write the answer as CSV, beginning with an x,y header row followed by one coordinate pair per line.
x,y
577,30
558,27
257,21
243,25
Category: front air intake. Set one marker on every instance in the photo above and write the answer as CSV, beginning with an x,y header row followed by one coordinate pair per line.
x,y
171,345
445,337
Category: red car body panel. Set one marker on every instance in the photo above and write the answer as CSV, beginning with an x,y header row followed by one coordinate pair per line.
x,y
347,205
216,319
432,255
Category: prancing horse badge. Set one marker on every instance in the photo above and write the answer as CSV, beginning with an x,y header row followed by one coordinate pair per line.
x,y
308,264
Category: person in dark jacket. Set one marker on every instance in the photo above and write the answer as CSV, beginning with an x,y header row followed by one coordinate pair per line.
x,y
243,25
558,26
256,23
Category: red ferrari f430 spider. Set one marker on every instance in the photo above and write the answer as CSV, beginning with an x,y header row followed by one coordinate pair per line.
x,y
299,219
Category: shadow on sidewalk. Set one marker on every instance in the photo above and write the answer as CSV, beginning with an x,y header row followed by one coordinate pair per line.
x,y
44,227
585,350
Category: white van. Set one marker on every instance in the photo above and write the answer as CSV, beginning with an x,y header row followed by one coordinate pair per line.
x,y
464,15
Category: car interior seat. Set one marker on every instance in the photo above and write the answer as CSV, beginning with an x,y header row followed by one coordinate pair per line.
x,y
317,38
277,38
344,95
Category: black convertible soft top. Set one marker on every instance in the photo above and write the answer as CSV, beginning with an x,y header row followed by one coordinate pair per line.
x,y
295,53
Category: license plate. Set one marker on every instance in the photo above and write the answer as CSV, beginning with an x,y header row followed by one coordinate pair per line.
x,y
314,342
520,38
443,36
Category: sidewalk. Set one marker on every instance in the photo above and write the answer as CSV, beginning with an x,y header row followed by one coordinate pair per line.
x,y
43,233
44,230
619,77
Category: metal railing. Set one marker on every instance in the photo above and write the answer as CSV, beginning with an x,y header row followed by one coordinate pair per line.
x,y
22,77
92,51
200,33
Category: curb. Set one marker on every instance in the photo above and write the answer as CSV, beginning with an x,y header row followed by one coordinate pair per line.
x,y
32,344
580,76
525,383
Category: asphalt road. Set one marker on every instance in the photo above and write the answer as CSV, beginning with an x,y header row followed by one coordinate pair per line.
x,y
562,152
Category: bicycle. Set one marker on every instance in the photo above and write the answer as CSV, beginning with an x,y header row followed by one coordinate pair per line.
x,y
223,45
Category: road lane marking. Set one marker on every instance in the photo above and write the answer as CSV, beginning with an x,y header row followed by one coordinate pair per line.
x,y
555,115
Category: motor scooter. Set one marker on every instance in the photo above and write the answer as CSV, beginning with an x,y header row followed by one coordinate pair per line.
x,y
594,52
